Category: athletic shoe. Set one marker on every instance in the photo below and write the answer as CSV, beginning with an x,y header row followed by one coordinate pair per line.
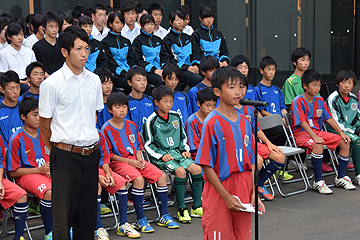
x,y
101,234
321,187
198,212
350,166
326,168
295,165
104,209
286,176
49,236
22,238
143,225
183,215
344,182
357,180
127,230
265,193
167,221
33,208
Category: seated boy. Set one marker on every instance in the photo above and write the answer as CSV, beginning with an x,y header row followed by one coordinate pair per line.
x,y
186,10
206,101
141,106
131,28
308,113
125,148
208,65
28,160
167,147
12,195
157,11
35,76
227,165
171,76
344,107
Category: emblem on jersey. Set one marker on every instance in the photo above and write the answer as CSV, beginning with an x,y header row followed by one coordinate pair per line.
x,y
130,150
319,112
353,106
175,124
246,140
248,117
132,138
47,151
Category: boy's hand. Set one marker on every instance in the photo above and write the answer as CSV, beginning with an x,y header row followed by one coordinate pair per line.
x,y
261,206
2,191
223,64
44,169
158,72
110,179
318,139
135,163
167,157
232,203
186,154
103,181
272,148
193,69
346,138
142,162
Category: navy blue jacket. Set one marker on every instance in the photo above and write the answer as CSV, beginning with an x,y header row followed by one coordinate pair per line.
x,y
97,57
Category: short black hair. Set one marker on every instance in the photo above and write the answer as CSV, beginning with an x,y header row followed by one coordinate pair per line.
x,y
310,76
116,98
51,17
140,7
155,6
12,30
136,70
27,105
209,62
4,21
161,91
112,17
206,94
8,77
37,22
239,59
68,37
146,18
299,53
84,20
31,67
224,75
186,10
78,10
67,18
171,68
206,12
128,6
109,10
97,7
267,61
345,75
29,18
173,14
104,73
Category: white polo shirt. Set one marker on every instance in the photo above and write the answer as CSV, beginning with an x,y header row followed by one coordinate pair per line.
x,y
161,32
3,46
71,101
131,34
30,41
97,34
10,59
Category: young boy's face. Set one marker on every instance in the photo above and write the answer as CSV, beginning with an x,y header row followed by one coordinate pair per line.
x,y
32,119
243,90
171,81
157,15
243,68
178,23
107,87
164,105
208,73
313,88
206,107
36,76
207,22
345,86
17,39
52,28
187,20
119,111
138,83
302,63
99,17
117,25
11,91
149,27
268,72
87,28
230,92
65,25
78,55
130,17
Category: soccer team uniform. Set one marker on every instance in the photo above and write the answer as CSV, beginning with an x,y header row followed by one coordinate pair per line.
x,y
193,96
250,93
271,94
9,121
28,94
292,88
102,117
228,148
140,110
182,105
193,129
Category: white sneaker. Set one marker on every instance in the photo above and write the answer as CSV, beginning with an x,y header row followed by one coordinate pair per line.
x,y
344,182
357,180
295,165
101,234
321,187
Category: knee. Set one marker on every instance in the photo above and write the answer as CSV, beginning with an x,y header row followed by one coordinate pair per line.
x,y
344,145
280,158
23,199
47,195
180,172
196,169
138,182
318,148
162,181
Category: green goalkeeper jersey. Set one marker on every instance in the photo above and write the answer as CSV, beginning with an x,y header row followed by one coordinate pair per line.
x,y
292,88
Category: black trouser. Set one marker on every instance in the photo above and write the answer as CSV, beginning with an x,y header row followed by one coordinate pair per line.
x,y
74,193
121,82
188,78
276,135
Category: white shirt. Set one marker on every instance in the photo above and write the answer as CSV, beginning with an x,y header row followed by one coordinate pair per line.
x,y
131,34
3,46
161,32
10,59
188,30
30,41
97,34
71,101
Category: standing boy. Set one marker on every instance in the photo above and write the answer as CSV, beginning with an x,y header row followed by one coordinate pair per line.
x,y
157,11
131,28
35,76
99,31
227,159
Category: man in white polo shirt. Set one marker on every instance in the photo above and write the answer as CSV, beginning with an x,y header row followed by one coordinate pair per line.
x,y
99,31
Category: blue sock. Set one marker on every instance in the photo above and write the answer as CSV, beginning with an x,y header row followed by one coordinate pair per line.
x,y
316,161
162,194
121,197
46,215
20,213
343,163
138,197
98,214
269,170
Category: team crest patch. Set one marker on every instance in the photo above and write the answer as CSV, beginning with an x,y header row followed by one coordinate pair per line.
x,y
319,112
47,151
248,117
246,140
132,138
353,106
175,124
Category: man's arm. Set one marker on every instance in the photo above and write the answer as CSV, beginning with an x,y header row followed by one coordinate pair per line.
x,y
44,127
24,171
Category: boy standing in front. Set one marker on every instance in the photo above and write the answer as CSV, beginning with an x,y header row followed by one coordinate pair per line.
x,y
227,187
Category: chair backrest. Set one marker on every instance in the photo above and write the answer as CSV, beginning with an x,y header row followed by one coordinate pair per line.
x,y
271,121
287,117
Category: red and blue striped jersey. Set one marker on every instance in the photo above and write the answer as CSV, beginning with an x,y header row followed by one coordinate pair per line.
x,y
314,113
2,154
249,113
123,142
193,131
26,152
104,149
226,146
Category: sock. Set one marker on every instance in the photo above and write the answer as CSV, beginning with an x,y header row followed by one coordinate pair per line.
x,y
162,195
197,186
316,161
138,198
343,163
356,157
98,214
121,197
46,215
20,213
179,184
269,170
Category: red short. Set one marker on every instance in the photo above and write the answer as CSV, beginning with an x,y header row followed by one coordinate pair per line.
x,y
218,221
263,150
150,172
303,139
36,184
119,181
12,194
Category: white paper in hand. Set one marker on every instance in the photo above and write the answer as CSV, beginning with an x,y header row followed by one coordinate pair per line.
x,y
247,206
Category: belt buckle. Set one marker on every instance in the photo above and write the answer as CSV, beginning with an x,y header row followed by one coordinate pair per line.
x,y
85,149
